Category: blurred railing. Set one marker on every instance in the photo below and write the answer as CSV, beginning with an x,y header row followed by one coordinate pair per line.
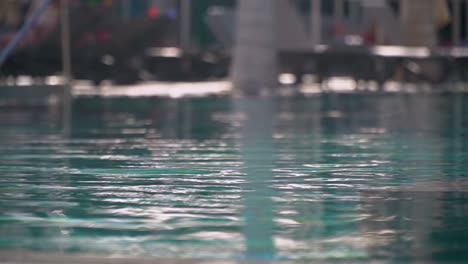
x,y
360,17
303,24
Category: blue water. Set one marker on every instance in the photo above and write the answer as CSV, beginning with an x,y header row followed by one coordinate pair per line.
x,y
332,177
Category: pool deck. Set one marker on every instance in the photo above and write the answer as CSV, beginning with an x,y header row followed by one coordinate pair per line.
x,y
153,89
44,95
48,95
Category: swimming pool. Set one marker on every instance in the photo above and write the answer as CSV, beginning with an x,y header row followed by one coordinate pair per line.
x,y
329,178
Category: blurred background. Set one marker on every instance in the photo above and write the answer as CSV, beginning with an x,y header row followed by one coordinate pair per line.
x,y
128,42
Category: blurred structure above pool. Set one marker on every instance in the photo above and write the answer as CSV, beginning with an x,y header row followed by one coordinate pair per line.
x,y
128,42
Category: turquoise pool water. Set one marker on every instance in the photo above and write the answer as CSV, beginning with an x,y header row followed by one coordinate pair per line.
x,y
332,177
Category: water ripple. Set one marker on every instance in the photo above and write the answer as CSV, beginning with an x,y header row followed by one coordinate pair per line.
x,y
128,182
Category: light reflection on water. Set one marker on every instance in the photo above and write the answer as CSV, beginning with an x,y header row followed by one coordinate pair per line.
x,y
335,177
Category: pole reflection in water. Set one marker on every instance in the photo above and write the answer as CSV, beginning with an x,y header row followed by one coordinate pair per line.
x,y
178,118
257,156
400,231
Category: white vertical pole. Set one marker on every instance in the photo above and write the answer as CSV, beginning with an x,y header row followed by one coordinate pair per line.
x,y
66,63
185,24
316,21
65,40
456,24
185,38
254,68
466,20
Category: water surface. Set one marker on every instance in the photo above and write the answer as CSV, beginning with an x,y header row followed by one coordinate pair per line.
x,y
332,177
